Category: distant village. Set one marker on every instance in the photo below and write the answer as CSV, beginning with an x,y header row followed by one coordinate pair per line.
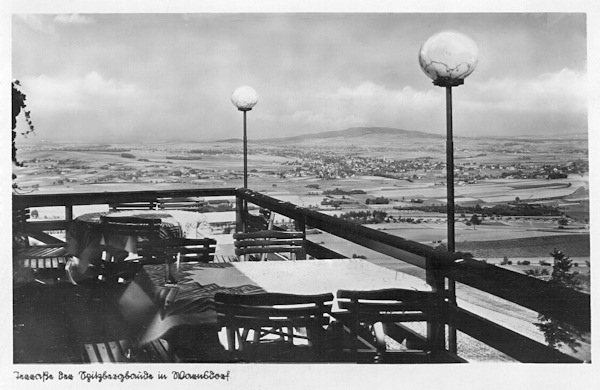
x,y
322,164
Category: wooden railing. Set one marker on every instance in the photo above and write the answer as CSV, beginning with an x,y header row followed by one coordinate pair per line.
x,y
561,304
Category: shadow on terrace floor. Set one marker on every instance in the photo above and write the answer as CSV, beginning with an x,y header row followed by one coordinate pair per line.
x,y
52,322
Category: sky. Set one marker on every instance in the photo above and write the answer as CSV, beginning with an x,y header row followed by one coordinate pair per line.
x,y
145,77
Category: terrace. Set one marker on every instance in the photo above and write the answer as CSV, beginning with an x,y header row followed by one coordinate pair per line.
x,y
53,321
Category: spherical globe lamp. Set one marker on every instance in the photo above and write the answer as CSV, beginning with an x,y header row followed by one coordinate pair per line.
x,y
448,58
244,98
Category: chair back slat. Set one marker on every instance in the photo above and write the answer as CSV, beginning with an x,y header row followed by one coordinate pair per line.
x,y
189,249
387,301
268,234
273,249
147,205
266,242
182,203
271,299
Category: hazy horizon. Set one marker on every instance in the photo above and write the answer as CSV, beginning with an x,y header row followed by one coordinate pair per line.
x,y
115,78
38,140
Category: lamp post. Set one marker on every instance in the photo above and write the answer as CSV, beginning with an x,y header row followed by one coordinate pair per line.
x,y
448,58
244,98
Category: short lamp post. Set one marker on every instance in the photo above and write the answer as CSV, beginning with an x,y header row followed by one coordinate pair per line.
x,y
244,98
448,58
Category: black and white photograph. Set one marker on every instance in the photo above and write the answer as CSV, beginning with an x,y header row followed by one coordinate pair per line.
x,y
210,196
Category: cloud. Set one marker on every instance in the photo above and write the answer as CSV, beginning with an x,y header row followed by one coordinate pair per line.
x,y
73,19
562,91
65,94
36,22
367,104
550,102
92,105
46,24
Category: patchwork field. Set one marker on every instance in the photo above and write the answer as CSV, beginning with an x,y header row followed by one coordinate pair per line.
x,y
292,171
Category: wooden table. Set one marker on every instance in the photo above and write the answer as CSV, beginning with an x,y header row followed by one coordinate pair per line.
x,y
192,303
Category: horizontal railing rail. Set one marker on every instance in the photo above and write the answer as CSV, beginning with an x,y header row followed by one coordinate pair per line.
x,y
560,303
68,200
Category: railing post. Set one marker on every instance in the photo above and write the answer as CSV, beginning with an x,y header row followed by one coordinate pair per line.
x,y
452,332
300,225
436,331
69,215
239,214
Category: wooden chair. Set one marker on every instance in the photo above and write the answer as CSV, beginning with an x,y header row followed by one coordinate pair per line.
x,y
146,228
200,250
128,351
269,326
270,242
373,314
47,260
113,257
258,222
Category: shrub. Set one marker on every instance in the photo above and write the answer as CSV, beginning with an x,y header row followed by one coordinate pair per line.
x,y
526,262
544,271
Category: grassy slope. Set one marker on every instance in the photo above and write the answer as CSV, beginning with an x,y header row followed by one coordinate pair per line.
x,y
574,245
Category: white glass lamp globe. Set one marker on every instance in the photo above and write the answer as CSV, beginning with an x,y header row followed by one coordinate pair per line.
x,y
244,98
448,57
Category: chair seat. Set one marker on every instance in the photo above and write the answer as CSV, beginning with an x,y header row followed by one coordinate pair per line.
x,y
226,259
128,351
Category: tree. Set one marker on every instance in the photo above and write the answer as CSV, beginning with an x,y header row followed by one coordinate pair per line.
x,y
558,332
475,220
561,274
18,105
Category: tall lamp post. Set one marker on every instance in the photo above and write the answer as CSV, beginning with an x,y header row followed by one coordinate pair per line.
x,y
448,58
244,98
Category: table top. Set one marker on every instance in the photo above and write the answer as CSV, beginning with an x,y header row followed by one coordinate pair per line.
x,y
192,224
193,303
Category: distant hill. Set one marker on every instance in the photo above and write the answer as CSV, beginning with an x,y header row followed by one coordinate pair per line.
x,y
354,132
